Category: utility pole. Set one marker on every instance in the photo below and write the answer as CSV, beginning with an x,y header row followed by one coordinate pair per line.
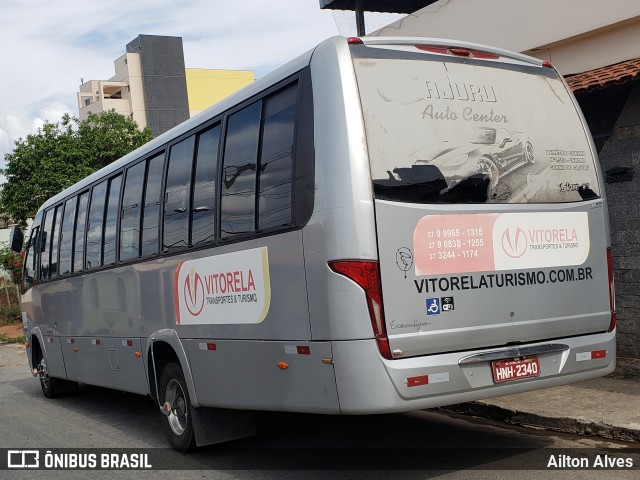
x,y
360,19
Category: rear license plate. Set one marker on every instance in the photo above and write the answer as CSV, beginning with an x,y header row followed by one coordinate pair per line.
x,y
505,370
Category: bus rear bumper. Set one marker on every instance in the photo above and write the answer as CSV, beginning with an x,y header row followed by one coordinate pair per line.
x,y
368,383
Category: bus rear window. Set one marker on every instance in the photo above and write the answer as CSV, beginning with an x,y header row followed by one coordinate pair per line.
x,y
472,132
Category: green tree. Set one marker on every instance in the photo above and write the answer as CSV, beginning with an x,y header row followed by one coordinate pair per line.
x,y
60,154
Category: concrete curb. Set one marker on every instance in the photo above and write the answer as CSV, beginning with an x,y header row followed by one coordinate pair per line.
x,y
538,422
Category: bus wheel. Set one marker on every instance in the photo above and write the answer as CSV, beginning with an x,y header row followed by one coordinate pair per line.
x,y
47,383
175,406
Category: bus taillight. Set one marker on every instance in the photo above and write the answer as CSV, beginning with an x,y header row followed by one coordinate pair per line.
x,y
458,52
612,290
366,273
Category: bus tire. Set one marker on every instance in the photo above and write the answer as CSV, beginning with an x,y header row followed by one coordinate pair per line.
x,y
53,387
177,423
47,383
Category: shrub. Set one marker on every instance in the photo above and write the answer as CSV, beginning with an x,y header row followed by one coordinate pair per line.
x,y
10,315
12,263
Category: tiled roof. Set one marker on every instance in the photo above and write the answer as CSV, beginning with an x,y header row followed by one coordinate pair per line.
x,y
605,76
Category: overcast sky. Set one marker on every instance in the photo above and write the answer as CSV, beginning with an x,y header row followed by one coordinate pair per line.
x,y
47,46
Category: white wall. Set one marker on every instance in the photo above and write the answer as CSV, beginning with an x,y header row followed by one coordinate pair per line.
x,y
577,35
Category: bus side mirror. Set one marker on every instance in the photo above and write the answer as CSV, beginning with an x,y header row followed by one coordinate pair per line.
x,y
16,239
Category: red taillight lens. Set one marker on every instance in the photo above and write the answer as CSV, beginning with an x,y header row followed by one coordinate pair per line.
x,y
459,52
366,273
429,48
612,290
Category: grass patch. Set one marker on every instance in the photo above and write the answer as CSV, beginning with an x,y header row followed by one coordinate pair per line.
x,y
10,315
5,339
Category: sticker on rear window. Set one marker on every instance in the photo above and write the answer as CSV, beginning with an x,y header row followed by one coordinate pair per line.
x,y
491,241
447,304
404,260
433,306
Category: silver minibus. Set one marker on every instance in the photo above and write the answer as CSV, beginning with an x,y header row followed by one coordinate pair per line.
x,y
381,225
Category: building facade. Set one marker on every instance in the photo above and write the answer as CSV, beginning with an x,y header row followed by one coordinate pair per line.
x,y
152,85
206,87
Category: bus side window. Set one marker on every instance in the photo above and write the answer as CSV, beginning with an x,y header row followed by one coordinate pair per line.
x,y
31,256
94,226
78,242
177,195
66,238
45,240
151,213
55,239
204,188
111,221
130,213
238,204
275,173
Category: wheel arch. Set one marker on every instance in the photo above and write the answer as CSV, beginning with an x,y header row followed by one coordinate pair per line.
x,y
37,347
164,346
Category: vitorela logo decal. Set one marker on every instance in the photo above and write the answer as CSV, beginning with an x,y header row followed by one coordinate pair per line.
x,y
193,293
514,242
485,242
231,288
